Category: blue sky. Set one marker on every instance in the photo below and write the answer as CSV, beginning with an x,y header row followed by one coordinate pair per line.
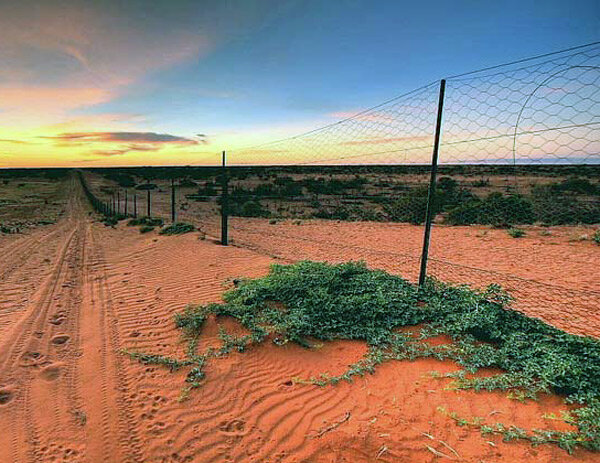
x,y
244,72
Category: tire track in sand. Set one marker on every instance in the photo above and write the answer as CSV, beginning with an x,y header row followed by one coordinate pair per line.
x,y
112,435
43,361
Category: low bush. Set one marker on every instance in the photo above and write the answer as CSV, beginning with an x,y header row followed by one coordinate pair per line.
x,y
149,221
9,230
146,229
596,237
410,207
248,209
516,232
312,300
496,209
553,209
110,221
178,228
576,185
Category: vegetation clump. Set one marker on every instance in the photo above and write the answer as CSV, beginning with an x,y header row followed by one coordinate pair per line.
x,y
178,228
496,209
149,221
516,232
309,300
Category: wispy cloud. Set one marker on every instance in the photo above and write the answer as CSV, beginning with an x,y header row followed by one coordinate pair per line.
x,y
121,151
16,142
378,141
138,137
60,57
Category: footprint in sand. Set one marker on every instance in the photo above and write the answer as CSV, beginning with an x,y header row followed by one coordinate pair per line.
x,y
6,395
60,339
233,427
31,359
57,319
51,372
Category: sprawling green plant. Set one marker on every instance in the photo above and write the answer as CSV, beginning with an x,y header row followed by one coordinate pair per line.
x,y
310,300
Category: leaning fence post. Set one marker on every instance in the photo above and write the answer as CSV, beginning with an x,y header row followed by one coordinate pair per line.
x,y
134,204
118,202
224,203
173,200
432,185
148,212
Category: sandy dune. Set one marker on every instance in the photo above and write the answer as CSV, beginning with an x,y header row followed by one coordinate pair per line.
x,y
77,293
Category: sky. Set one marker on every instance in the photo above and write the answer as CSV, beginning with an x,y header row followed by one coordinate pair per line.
x,y
168,82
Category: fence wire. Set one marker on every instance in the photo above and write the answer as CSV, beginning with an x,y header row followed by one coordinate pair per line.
x,y
516,203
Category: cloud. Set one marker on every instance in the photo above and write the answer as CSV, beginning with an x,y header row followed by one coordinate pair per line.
x,y
31,100
121,151
377,141
60,56
19,142
138,137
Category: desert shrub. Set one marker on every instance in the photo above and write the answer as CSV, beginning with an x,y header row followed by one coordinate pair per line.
x,y
411,207
9,230
450,195
146,229
110,221
149,221
350,213
562,209
497,209
311,300
333,186
481,183
333,213
208,189
123,180
596,237
177,228
516,232
575,185
249,208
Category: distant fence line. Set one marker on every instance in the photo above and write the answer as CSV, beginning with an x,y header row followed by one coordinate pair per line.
x,y
519,119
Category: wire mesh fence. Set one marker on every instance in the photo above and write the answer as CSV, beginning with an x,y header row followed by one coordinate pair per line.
x,y
516,201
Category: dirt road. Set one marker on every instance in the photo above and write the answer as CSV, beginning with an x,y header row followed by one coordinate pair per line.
x,y
75,294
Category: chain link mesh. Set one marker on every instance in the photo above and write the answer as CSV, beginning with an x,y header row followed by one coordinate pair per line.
x,y
517,201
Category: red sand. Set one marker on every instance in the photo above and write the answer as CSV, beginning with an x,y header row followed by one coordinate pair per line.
x,y
75,294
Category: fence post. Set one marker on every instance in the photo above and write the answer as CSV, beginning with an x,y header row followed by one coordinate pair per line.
x,y
135,204
432,185
148,205
224,204
118,202
126,208
172,200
